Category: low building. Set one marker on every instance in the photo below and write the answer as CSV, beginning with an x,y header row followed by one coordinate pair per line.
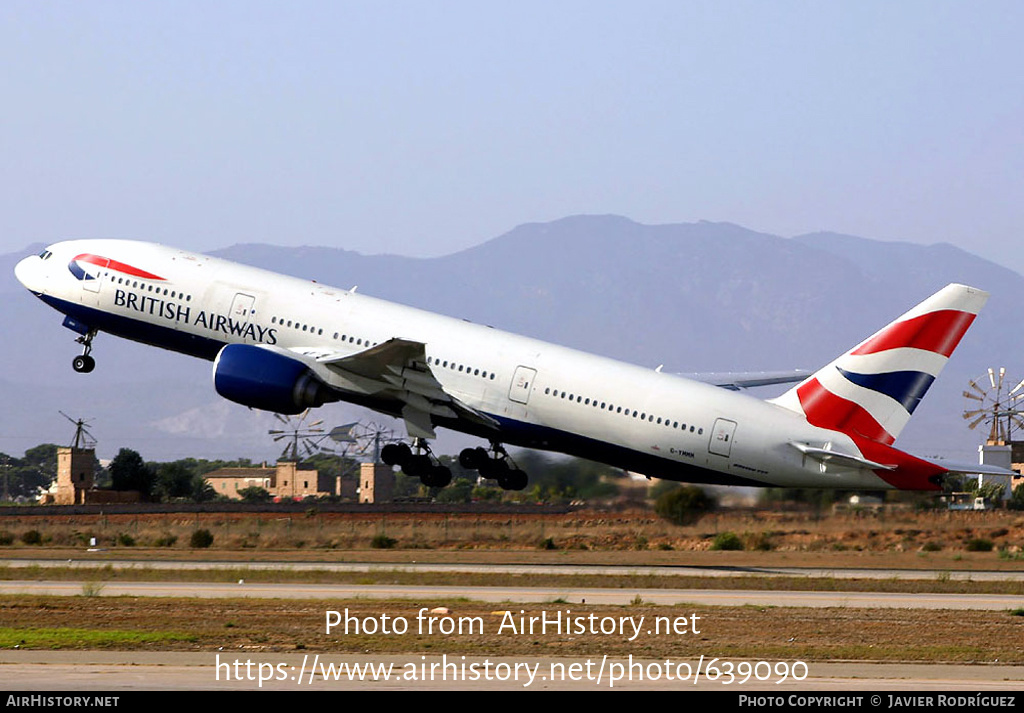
x,y
283,481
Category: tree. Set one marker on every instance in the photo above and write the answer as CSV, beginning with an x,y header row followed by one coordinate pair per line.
x,y
461,491
1016,501
129,472
567,478
173,480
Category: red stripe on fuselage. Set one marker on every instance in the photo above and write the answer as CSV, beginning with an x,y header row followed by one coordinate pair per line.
x,y
826,410
937,332
115,265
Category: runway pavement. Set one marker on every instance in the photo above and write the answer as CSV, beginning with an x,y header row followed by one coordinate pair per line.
x,y
40,671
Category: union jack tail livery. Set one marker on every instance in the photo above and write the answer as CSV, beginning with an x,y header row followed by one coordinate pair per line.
x,y
871,391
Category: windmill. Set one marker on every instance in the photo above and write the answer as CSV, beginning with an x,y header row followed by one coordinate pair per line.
x,y
362,439
83,439
996,406
301,439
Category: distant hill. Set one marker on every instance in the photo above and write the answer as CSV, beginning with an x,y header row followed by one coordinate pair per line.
x,y
694,297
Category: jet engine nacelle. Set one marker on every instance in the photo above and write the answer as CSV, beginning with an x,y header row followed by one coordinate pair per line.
x,y
265,379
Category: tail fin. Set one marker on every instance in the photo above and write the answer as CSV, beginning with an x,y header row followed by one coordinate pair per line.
x,y
871,390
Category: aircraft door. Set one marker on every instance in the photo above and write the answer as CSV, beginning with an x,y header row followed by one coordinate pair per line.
x,y
722,436
93,275
242,311
522,382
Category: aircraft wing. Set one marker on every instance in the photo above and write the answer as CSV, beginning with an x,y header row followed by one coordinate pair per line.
x,y
736,380
399,368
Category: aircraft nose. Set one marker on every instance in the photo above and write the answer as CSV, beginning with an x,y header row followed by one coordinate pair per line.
x,y
28,273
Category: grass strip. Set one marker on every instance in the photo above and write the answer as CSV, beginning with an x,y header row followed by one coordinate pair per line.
x,y
77,638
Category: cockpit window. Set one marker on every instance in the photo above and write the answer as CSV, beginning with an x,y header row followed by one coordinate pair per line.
x,y
45,254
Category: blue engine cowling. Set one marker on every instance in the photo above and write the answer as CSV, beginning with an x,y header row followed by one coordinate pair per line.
x,y
264,379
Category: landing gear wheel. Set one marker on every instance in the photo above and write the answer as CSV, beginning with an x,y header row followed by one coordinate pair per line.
x,y
516,480
83,364
395,454
417,466
437,477
473,458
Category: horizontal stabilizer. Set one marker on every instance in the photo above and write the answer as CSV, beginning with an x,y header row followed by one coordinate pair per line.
x,y
845,460
972,468
736,380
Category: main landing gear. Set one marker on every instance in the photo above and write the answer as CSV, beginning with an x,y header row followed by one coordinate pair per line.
x,y
84,363
500,467
418,462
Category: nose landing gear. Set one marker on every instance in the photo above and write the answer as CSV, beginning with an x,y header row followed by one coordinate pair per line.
x,y
84,363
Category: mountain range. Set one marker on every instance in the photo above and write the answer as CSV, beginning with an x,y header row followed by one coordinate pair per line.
x,y
693,297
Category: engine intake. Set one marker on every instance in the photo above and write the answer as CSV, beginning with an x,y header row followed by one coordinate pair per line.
x,y
264,379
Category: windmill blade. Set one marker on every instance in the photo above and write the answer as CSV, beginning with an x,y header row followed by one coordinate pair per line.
x,y
316,423
992,377
1002,373
1016,388
972,414
969,395
343,434
974,385
974,424
282,419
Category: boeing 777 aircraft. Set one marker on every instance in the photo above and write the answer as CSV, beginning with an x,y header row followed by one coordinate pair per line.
x,y
285,344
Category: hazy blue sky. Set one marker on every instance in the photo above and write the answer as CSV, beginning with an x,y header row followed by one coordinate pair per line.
x,y
423,127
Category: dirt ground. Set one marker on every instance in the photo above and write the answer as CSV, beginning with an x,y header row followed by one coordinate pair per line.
x,y
275,626
929,540
902,537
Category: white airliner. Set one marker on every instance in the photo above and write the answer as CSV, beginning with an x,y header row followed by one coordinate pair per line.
x,y
285,344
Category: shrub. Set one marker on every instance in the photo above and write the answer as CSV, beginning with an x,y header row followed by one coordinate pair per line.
x,y
125,540
727,541
979,544
684,505
255,494
548,543
6,538
759,541
201,539
32,537
931,546
383,542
